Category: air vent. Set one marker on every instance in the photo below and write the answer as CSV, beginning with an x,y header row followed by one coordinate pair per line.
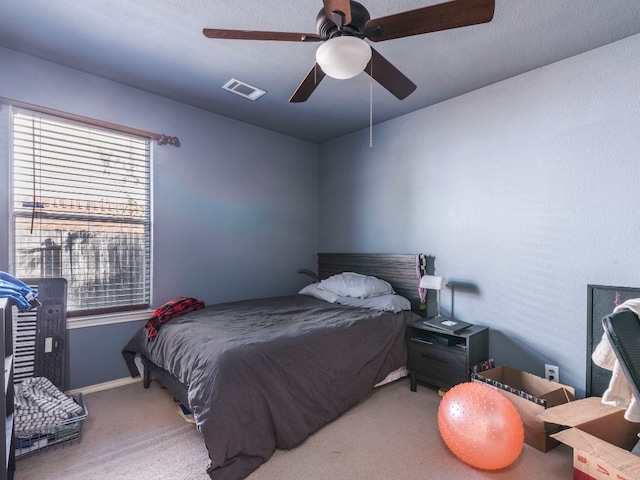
x,y
243,89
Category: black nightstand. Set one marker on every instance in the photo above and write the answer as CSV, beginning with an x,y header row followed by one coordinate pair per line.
x,y
444,359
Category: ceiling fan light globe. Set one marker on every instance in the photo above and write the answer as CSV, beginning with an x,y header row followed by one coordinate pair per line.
x,y
343,57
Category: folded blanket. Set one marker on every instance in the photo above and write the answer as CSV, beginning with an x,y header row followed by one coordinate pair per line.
x,y
172,309
618,393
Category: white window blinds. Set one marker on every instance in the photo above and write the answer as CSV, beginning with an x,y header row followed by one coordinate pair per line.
x,y
81,210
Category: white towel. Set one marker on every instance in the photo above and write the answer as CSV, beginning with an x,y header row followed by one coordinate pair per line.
x,y
619,393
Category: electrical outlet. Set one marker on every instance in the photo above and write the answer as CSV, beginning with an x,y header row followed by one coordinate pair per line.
x,y
552,373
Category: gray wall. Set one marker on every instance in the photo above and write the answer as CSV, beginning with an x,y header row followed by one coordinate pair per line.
x,y
235,206
528,189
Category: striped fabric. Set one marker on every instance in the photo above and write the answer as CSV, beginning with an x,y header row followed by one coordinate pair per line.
x,y
40,407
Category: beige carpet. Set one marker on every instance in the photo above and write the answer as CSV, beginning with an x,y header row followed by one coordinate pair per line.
x,y
135,434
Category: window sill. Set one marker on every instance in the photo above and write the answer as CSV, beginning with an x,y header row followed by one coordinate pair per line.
x,y
108,319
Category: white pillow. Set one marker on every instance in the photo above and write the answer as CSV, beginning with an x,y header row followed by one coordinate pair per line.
x,y
389,303
313,291
350,284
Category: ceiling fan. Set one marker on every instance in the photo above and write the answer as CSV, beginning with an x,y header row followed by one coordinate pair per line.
x,y
342,26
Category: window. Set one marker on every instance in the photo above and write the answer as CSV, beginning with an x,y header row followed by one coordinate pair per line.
x,y
81,210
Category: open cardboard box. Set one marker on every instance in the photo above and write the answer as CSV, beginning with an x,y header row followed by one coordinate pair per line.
x,y
531,395
601,439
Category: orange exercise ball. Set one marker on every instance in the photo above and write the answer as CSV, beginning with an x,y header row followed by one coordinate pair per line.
x,y
480,426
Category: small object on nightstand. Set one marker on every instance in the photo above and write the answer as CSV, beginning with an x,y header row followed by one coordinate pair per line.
x,y
447,324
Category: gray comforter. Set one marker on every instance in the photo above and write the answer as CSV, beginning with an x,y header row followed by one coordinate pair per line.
x,y
265,374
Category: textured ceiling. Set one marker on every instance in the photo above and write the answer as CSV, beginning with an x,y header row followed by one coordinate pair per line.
x,y
158,46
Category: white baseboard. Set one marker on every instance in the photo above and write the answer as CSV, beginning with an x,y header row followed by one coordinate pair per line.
x,y
105,386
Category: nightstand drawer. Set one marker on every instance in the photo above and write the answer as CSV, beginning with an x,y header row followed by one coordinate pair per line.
x,y
436,360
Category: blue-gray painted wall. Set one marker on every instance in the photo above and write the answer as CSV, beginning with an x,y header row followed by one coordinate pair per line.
x,y
526,189
234,207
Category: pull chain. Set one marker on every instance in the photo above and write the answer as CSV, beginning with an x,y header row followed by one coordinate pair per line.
x,y
33,175
371,104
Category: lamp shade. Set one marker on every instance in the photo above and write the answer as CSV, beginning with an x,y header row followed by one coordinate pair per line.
x,y
343,57
432,282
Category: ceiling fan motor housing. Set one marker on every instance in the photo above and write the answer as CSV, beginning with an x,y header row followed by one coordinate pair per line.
x,y
359,17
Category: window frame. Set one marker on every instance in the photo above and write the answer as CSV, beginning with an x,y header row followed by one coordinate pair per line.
x,y
102,315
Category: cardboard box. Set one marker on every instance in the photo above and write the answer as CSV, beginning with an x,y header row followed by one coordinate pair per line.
x,y
601,439
531,395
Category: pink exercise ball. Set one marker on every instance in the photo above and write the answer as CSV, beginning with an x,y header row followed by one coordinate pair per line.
x,y
480,426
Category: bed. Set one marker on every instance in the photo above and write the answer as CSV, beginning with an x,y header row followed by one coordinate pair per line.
x,y
264,374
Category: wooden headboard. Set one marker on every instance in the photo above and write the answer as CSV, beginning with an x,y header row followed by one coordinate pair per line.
x,y
397,269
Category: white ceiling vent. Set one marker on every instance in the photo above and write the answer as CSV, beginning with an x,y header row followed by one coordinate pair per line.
x,y
243,89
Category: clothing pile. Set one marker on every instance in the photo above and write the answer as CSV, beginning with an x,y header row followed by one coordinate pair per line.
x,y
172,309
41,407
618,393
22,294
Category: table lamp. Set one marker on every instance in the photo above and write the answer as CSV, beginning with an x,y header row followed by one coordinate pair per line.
x,y
433,282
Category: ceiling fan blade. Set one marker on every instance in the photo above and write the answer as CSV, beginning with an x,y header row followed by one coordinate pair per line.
x,y
444,16
308,85
259,35
342,9
383,72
